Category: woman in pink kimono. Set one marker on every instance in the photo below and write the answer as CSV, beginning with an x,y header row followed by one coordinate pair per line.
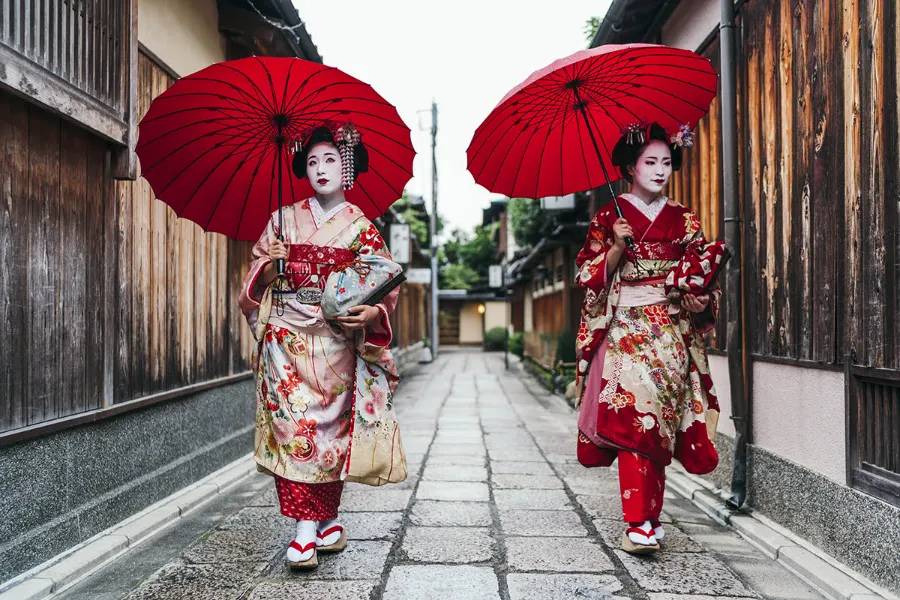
x,y
643,377
306,366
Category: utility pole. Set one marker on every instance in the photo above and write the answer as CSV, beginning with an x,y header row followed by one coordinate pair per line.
x,y
434,245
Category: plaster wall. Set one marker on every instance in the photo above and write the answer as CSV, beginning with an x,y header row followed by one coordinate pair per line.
x,y
471,324
183,35
718,367
691,24
494,315
799,414
529,310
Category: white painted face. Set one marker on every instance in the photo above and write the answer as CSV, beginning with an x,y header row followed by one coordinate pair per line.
x,y
653,167
323,169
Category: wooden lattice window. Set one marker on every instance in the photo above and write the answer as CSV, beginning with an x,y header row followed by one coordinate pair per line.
x,y
75,57
873,432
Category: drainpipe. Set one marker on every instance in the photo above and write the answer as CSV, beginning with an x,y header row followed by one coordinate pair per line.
x,y
740,407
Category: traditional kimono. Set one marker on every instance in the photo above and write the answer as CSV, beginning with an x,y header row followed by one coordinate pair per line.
x,y
306,369
643,378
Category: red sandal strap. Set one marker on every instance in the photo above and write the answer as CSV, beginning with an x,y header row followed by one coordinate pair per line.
x,y
302,549
329,531
638,531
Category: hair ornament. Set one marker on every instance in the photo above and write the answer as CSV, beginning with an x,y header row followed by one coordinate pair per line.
x,y
684,138
346,137
635,134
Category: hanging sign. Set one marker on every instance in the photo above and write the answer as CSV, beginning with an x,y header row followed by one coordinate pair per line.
x,y
399,244
421,276
495,276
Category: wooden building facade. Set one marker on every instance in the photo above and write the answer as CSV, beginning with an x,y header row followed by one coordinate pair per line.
x,y
119,321
818,113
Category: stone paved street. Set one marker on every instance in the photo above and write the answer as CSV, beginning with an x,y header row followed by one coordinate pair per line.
x,y
496,506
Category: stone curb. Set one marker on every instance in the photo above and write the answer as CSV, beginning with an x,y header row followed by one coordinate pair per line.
x,y
66,569
836,583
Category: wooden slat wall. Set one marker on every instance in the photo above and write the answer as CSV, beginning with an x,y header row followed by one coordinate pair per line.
x,y
408,320
820,170
171,287
181,285
698,185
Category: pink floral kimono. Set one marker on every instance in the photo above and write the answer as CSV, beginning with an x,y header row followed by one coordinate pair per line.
x,y
307,370
642,377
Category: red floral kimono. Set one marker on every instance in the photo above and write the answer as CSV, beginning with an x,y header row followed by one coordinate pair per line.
x,y
643,379
306,369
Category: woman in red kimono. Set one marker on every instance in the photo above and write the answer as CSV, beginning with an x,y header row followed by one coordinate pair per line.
x,y
643,378
306,368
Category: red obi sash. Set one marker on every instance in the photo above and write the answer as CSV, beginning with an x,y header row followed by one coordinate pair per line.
x,y
309,265
659,250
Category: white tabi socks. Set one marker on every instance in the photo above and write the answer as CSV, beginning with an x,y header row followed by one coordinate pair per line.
x,y
643,534
303,548
328,532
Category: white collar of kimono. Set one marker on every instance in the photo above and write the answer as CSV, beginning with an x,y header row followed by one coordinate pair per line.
x,y
319,214
652,210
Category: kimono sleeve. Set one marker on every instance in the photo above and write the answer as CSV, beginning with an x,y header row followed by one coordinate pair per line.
x,y
591,261
251,290
703,321
379,333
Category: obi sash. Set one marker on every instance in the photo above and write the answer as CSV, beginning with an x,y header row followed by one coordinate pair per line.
x,y
659,250
308,267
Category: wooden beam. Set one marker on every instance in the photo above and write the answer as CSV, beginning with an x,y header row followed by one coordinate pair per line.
x,y
41,429
124,163
29,80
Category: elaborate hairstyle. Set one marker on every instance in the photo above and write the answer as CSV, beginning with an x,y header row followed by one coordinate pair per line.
x,y
346,138
636,137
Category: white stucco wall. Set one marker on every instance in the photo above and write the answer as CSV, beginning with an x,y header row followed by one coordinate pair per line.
x,y
718,367
184,34
471,324
494,315
799,415
691,23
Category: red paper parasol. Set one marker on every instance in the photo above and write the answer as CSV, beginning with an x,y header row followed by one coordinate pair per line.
x,y
215,146
553,134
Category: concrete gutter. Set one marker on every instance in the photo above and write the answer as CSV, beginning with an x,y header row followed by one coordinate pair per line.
x,y
829,577
70,567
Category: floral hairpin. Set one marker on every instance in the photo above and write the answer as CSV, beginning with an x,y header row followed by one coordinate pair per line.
x,y
346,138
684,138
634,134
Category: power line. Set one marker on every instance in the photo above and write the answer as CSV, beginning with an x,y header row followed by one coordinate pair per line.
x,y
277,24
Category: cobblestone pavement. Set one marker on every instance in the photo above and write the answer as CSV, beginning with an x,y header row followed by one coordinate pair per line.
x,y
496,506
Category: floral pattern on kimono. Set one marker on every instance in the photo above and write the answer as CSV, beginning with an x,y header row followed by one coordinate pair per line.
x,y
306,370
644,366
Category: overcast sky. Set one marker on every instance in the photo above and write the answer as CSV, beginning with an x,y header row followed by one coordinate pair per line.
x,y
464,54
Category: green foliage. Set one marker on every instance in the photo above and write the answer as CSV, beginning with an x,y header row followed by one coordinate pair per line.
x,y
418,221
590,28
565,347
527,220
466,259
517,344
495,339
458,277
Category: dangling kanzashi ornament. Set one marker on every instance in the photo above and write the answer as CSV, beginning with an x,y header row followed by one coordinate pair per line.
x,y
346,138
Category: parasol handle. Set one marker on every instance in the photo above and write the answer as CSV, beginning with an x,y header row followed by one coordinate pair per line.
x,y
279,144
587,122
